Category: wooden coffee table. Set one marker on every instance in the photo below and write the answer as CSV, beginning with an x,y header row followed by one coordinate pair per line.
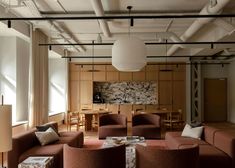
x,y
37,162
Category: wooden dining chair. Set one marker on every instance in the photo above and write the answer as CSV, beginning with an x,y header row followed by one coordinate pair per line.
x,y
74,119
174,120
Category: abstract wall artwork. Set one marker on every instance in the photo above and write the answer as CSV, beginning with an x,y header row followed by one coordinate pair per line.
x,y
127,92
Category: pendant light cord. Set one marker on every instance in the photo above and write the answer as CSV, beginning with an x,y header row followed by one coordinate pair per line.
x,y
129,11
166,53
93,55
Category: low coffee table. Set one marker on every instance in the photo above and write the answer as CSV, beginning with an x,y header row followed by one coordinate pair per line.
x,y
37,162
130,142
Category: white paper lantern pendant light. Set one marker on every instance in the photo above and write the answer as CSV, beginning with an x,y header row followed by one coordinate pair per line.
x,y
129,53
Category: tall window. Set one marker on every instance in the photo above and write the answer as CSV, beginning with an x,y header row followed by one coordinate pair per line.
x,y
14,68
57,83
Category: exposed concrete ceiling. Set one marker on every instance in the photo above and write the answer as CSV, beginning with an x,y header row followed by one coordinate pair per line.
x,y
148,30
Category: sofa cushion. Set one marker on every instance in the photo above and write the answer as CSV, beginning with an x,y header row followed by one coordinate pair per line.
x,y
225,140
209,133
47,137
147,131
77,134
71,141
112,130
213,157
192,132
43,128
174,140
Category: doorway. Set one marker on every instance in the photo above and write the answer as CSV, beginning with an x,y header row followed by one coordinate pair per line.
x,y
215,100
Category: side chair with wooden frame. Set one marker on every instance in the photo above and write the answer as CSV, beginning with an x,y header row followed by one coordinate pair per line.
x,y
174,120
74,119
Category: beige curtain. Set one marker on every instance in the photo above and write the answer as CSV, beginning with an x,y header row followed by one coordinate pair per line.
x,y
38,94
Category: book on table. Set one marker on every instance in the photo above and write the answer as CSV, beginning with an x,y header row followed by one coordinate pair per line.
x,y
37,162
37,159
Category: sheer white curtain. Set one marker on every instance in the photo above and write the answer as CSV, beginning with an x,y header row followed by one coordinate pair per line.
x,y
38,92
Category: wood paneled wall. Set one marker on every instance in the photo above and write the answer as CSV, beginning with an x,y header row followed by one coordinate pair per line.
x,y
171,86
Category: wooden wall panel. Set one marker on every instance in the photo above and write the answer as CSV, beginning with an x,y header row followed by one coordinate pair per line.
x,y
138,107
179,76
154,68
179,96
112,76
74,95
99,76
151,107
113,108
74,75
165,75
86,76
138,76
86,92
125,76
151,76
111,68
99,106
165,92
171,86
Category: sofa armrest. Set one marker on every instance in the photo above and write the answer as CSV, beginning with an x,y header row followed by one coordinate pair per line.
x,y
20,144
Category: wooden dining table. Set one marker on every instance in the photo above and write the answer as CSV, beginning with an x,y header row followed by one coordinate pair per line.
x,y
89,113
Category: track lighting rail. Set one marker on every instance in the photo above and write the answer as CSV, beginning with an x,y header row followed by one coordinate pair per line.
x,y
116,17
148,43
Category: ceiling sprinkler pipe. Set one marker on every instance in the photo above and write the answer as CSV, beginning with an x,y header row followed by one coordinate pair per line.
x,y
99,11
198,23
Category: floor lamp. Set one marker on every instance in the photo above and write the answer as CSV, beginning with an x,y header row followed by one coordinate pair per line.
x,y
5,129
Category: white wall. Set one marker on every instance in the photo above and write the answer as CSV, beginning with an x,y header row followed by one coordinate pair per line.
x,y
57,85
231,93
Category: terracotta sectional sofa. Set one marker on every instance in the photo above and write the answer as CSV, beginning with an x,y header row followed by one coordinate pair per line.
x,y
216,147
26,144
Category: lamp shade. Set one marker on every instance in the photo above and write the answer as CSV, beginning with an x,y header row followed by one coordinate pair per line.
x,y
5,128
129,54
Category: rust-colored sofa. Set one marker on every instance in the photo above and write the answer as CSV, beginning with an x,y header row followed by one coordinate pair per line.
x,y
157,157
112,157
27,144
216,147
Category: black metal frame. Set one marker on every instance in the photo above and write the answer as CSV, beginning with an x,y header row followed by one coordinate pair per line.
x,y
212,43
118,17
